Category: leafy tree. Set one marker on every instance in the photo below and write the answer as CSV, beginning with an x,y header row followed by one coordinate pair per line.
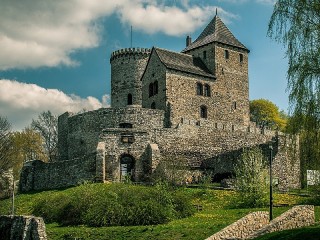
x,y
250,182
47,126
266,113
27,145
296,24
5,144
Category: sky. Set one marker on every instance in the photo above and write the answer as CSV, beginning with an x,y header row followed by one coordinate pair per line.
x,y
55,55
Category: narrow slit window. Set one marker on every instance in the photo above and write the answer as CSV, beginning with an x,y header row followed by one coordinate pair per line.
x,y
129,99
241,57
150,89
204,54
155,88
226,54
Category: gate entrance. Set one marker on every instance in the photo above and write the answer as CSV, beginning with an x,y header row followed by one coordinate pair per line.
x,y
126,168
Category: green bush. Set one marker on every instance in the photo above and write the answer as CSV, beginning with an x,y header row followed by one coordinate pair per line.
x,y
250,181
114,205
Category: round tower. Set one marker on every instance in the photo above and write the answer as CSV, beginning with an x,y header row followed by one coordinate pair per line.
x,y
127,67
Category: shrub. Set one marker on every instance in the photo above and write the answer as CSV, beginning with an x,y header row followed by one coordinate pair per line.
x,y
114,205
251,179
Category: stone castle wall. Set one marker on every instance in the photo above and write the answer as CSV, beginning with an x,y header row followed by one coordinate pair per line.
x,y
127,67
95,143
37,175
231,84
83,130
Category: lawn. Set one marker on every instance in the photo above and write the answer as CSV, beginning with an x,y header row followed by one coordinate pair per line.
x,y
214,213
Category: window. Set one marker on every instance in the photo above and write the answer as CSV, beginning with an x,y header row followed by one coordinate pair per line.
x,y
241,57
203,112
153,105
155,88
129,99
207,91
199,89
125,125
204,54
226,54
234,105
150,89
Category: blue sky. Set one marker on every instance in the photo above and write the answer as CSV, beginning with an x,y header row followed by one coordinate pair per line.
x,y
55,54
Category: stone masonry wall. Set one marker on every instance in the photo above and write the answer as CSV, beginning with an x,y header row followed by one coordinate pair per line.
x,y
37,175
232,83
83,130
257,224
297,217
22,228
286,163
127,67
244,227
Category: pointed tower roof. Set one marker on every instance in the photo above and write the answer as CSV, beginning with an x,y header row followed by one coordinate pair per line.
x,y
215,31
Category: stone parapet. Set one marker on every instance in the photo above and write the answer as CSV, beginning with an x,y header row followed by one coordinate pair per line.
x,y
130,51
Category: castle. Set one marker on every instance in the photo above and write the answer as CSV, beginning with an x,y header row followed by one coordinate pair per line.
x,y
192,105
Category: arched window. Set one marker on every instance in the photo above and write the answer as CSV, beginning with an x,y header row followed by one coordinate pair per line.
x,y
155,88
203,112
207,91
129,99
199,89
150,89
153,105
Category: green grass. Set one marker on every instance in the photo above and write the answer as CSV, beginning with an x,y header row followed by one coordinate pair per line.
x,y
215,215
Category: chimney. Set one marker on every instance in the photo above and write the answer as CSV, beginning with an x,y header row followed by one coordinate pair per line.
x,y
188,41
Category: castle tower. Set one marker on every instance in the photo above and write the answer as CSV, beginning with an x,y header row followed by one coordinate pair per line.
x,y
127,66
227,58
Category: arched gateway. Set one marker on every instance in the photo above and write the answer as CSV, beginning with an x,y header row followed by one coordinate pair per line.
x,y
127,163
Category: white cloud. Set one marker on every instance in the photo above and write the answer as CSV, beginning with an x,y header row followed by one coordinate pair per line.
x,y
20,102
35,33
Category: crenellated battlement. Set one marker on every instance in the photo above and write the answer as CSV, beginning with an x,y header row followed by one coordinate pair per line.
x,y
130,52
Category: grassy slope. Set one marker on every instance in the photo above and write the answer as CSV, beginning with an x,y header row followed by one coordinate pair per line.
x,y
214,216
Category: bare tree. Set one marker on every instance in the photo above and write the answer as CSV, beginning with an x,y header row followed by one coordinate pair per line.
x,y
47,126
5,144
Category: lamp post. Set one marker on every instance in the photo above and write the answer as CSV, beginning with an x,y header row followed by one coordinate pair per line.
x,y
270,165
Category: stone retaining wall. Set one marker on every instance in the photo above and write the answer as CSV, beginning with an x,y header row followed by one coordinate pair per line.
x,y
22,228
244,227
257,223
297,217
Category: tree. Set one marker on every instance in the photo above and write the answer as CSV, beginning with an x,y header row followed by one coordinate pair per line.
x,y
266,113
28,145
47,126
251,175
296,24
5,144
